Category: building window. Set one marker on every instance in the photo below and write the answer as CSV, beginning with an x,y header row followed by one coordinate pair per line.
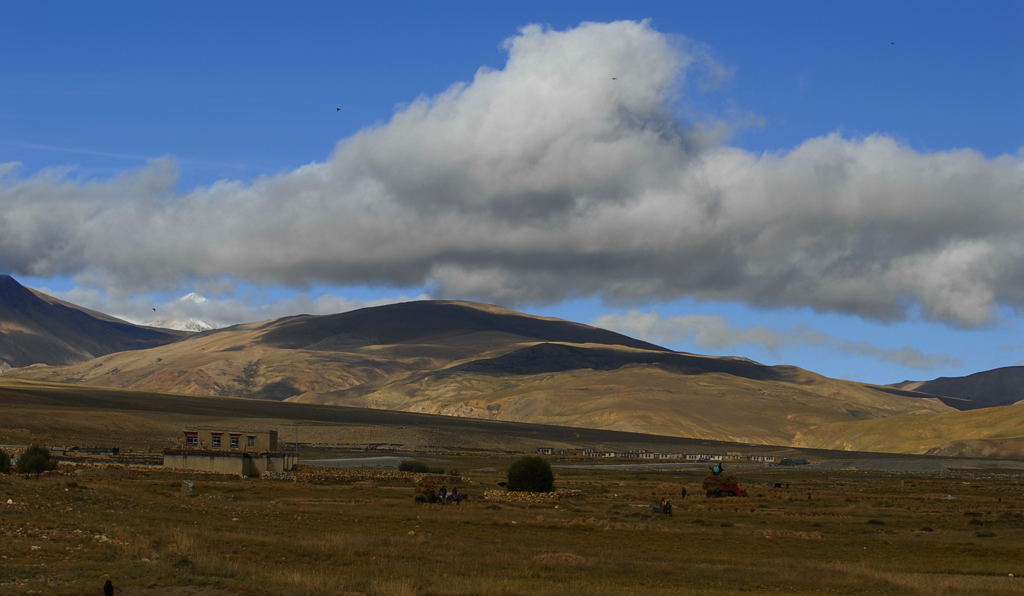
x,y
250,441
234,442
191,440
215,441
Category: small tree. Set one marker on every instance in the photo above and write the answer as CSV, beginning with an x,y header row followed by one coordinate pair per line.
x,y
413,466
531,474
36,459
5,462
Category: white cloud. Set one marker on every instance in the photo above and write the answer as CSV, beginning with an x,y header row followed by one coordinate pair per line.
x,y
713,332
547,179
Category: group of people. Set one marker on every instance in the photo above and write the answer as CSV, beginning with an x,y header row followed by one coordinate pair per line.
x,y
452,496
666,504
442,495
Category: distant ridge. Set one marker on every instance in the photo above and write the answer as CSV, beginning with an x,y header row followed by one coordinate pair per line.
x,y
39,329
996,387
426,320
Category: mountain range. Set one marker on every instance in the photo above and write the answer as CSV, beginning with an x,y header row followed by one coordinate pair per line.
x,y
35,327
483,361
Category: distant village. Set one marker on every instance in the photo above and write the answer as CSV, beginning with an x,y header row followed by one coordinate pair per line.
x,y
258,452
643,454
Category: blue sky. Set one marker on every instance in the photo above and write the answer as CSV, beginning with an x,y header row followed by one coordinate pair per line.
x,y
240,96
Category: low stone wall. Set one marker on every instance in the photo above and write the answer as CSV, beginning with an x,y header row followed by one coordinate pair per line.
x,y
527,497
308,473
242,464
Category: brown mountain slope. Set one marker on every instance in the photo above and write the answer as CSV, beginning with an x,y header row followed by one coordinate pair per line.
x,y
468,359
984,432
997,387
639,397
302,354
36,328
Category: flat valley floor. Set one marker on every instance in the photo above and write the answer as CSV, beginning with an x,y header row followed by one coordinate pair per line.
x,y
358,531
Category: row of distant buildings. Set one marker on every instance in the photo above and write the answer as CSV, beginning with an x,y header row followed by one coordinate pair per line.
x,y
643,454
253,453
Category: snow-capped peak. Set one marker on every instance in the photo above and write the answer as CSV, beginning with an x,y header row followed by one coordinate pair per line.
x,y
193,325
179,311
182,325
192,298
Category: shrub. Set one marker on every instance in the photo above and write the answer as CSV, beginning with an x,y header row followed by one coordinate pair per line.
x,y
36,459
5,462
531,474
418,466
412,466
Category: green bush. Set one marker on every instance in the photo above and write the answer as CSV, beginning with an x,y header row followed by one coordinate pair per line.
x,y
412,466
418,466
5,462
36,459
531,474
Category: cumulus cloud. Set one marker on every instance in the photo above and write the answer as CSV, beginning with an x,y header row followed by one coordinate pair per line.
x,y
550,178
714,332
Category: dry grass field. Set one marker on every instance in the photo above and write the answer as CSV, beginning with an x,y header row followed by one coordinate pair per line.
x,y
359,532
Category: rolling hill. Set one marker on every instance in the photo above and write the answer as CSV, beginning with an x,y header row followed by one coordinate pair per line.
x,y
36,328
482,361
983,432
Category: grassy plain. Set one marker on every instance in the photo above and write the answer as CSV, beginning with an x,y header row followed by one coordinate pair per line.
x,y
360,532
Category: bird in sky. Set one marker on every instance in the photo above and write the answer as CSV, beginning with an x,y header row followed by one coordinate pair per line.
x,y
337,109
